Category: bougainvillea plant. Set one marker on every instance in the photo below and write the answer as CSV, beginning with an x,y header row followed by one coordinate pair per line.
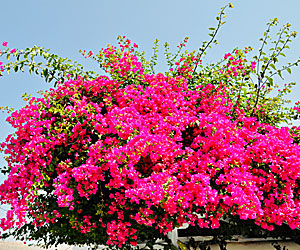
x,y
127,157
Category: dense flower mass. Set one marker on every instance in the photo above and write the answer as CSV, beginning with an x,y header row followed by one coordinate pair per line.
x,y
144,151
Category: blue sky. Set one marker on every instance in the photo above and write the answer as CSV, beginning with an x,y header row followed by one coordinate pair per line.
x,y
65,26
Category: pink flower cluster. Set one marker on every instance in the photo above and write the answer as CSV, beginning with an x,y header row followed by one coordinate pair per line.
x,y
5,51
157,154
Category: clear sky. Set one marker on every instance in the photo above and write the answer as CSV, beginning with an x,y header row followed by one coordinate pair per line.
x,y
65,26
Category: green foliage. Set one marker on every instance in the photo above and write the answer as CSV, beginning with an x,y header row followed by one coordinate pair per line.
x,y
41,62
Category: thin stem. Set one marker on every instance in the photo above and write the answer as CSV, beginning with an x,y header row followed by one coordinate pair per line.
x,y
199,55
263,44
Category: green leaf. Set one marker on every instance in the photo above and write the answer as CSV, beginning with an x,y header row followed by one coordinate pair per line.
x,y
270,81
45,72
289,70
279,73
272,66
16,68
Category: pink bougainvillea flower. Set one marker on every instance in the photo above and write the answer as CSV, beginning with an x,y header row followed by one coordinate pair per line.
x,y
253,65
142,150
4,44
